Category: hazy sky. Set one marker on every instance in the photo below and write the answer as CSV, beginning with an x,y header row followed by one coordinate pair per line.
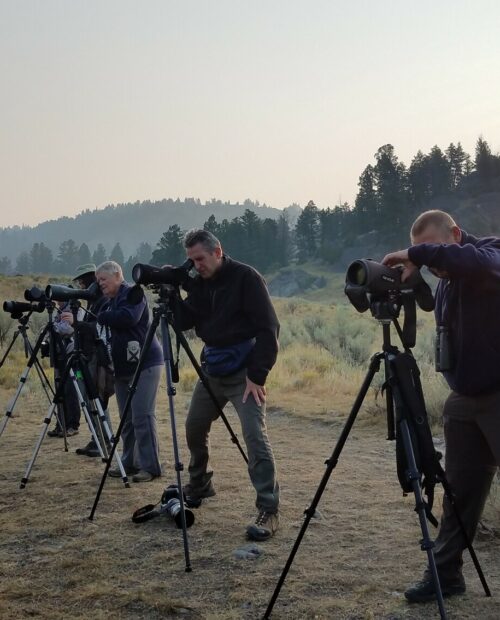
x,y
106,101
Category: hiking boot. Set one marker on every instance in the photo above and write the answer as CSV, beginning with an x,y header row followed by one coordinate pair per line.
x,y
264,527
424,591
55,432
89,450
70,432
194,493
116,473
143,476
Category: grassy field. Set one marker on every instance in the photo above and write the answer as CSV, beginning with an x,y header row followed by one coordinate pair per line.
x,y
355,560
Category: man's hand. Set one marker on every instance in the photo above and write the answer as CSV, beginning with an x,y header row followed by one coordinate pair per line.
x,y
258,392
400,258
67,317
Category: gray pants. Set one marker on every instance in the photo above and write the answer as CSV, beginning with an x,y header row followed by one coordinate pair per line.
x,y
139,437
472,435
202,412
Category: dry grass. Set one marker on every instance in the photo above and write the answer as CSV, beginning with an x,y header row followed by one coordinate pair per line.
x,y
354,562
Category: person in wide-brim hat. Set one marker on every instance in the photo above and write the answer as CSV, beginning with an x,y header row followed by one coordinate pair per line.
x,y
84,270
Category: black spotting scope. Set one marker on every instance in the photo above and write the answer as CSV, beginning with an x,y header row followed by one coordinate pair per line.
x,y
58,292
366,277
150,274
16,308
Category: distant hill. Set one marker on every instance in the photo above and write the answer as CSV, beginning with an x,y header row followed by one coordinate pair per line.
x,y
129,224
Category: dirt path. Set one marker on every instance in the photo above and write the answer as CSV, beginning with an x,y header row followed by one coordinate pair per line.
x,y
354,562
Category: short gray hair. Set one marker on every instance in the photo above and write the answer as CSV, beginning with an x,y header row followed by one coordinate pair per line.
x,y
110,267
198,235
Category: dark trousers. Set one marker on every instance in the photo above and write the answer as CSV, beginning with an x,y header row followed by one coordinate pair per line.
x,y
202,412
70,404
472,436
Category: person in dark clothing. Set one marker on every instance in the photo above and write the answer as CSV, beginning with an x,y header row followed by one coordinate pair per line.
x,y
63,331
229,306
127,316
93,347
467,309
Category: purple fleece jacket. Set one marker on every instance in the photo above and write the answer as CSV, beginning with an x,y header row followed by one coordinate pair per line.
x,y
469,304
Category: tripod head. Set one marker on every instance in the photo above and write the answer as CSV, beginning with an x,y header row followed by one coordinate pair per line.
x,y
387,310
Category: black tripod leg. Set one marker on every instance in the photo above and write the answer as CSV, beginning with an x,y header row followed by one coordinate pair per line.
x,y
451,498
23,379
6,354
426,543
331,463
131,391
167,349
185,345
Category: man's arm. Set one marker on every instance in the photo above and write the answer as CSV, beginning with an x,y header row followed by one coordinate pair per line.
x,y
260,311
464,261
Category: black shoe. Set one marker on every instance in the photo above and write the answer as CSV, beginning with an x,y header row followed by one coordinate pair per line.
x,y
55,432
424,591
116,473
264,527
89,450
195,493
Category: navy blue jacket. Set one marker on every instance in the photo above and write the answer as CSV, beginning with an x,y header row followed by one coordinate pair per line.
x,y
469,304
128,318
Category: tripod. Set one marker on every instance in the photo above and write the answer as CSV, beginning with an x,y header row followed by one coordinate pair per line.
x,y
76,371
32,355
164,316
398,378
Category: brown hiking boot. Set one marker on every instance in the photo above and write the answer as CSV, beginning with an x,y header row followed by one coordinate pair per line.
x,y
264,527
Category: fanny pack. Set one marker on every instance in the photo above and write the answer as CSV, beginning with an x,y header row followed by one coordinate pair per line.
x,y
222,361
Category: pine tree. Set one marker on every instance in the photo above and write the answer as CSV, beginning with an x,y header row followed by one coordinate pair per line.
x,y
67,259
170,250
5,266
23,263
99,255
366,207
307,232
84,257
117,254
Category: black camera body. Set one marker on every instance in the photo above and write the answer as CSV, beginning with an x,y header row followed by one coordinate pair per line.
x,y
171,504
150,274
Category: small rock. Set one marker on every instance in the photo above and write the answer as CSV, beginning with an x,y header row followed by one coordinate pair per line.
x,y
248,552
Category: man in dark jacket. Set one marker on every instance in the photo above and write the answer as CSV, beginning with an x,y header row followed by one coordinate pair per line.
x,y
467,314
229,306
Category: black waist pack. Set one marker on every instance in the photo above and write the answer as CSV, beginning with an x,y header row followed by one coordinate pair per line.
x,y
222,361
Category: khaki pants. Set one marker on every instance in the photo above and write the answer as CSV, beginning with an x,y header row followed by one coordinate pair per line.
x,y
202,412
472,436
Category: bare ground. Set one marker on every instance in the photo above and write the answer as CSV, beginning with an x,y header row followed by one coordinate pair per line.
x,y
354,562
